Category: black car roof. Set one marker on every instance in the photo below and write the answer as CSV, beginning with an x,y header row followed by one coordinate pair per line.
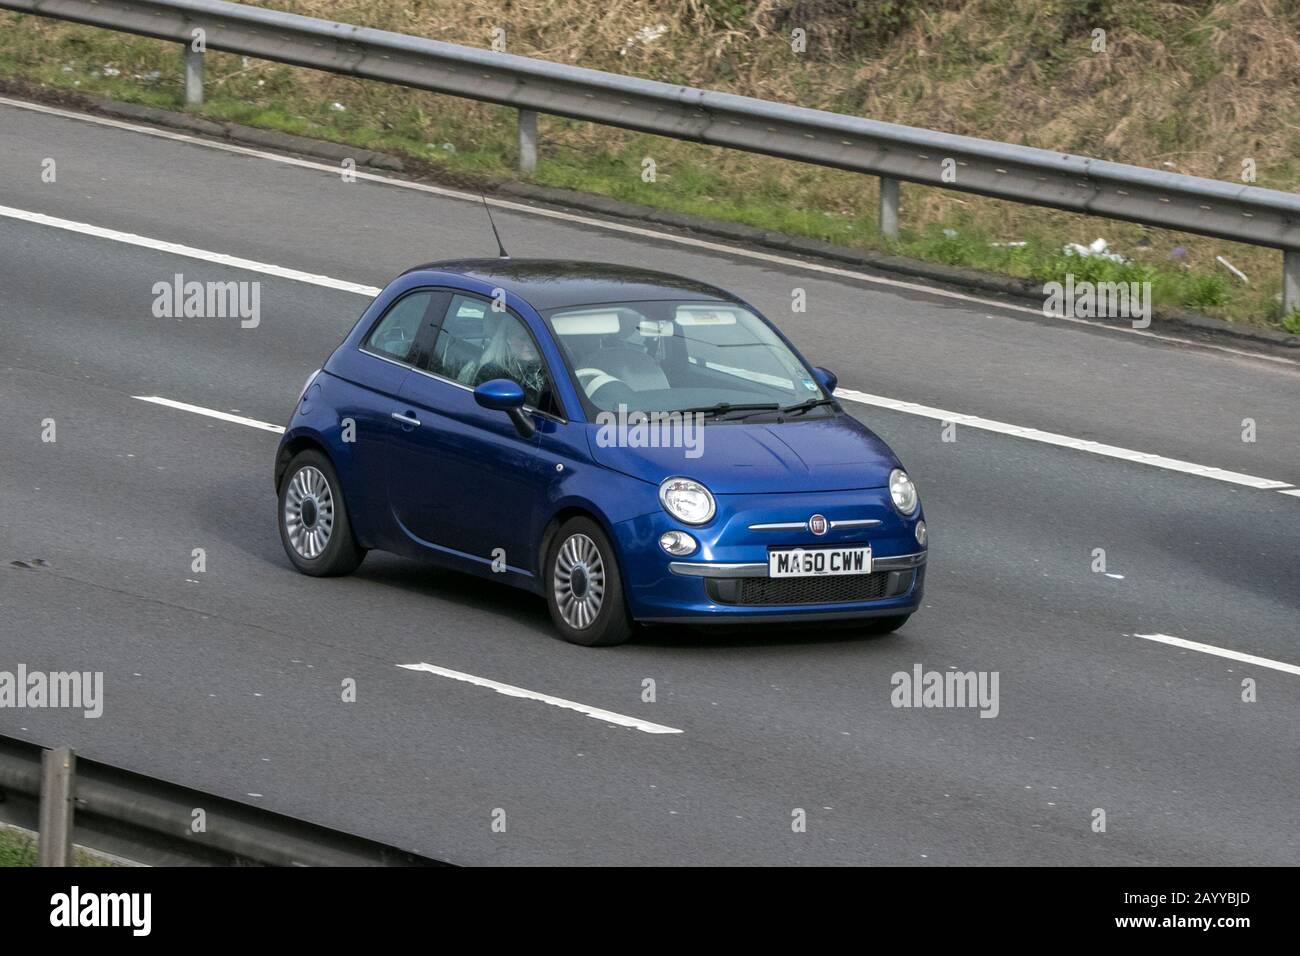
x,y
553,283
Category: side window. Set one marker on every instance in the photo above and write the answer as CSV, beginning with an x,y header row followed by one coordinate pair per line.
x,y
396,332
461,338
476,345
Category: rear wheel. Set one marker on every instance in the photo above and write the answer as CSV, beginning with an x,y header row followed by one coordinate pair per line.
x,y
584,589
314,526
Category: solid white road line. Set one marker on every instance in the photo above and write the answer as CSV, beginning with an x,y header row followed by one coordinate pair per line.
x,y
608,716
211,413
723,248
1221,652
175,248
1064,441
911,408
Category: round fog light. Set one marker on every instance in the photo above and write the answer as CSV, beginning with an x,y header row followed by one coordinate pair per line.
x,y
920,533
677,543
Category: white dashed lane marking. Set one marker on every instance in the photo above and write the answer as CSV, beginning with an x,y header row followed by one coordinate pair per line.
x,y
210,413
1222,652
509,690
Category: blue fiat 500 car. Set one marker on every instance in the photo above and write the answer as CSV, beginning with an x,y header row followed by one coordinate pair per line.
x,y
630,445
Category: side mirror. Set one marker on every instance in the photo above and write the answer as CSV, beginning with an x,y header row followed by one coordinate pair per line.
x,y
503,395
826,378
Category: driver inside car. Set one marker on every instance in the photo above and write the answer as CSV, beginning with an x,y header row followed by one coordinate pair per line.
x,y
510,353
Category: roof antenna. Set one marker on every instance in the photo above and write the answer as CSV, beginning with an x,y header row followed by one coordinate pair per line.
x,y
501,250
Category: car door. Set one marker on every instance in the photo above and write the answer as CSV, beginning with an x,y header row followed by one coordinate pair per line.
x,y
463,482
371,378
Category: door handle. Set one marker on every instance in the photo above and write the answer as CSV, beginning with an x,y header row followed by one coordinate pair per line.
x,y
407,419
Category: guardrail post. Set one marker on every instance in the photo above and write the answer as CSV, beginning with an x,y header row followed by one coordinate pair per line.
x,y
527,141
193,76
888,207
1290,280
58,774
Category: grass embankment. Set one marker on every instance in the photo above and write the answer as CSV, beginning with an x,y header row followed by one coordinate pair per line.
x,y
1198,87
19,849
16,848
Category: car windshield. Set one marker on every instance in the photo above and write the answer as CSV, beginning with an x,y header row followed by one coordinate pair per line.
x,y
682,356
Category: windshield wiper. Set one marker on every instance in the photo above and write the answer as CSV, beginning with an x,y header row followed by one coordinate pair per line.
x,y
726,409
805,406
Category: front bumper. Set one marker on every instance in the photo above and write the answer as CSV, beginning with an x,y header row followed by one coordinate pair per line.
x,y
726,579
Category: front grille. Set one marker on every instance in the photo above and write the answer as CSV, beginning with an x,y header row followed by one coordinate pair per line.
x,y
830,589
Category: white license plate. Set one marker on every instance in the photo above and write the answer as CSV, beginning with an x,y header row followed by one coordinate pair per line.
x,y
815,562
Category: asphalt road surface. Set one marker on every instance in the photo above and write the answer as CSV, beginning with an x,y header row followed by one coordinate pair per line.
x,y
229,679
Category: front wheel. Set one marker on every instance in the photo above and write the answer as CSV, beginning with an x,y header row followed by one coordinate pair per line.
x,y
314,525
584,590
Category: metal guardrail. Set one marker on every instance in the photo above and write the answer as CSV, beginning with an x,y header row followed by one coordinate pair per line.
x,y
1242,213
163,820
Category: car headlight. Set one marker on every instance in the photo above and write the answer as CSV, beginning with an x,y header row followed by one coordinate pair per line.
x,y
902,491
686,500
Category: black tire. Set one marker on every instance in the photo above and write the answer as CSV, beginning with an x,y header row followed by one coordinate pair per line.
x,y
332,550
585,619
884,625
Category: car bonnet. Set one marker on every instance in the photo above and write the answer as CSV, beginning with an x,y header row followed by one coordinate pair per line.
x,y
832,454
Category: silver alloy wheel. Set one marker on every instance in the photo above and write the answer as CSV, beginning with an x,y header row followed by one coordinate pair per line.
x,y
579,581
309,512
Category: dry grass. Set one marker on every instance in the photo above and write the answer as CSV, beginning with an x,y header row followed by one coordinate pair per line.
x,y
1227,73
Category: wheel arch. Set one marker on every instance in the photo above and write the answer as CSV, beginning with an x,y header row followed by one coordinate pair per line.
x,y
291,448
572,509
